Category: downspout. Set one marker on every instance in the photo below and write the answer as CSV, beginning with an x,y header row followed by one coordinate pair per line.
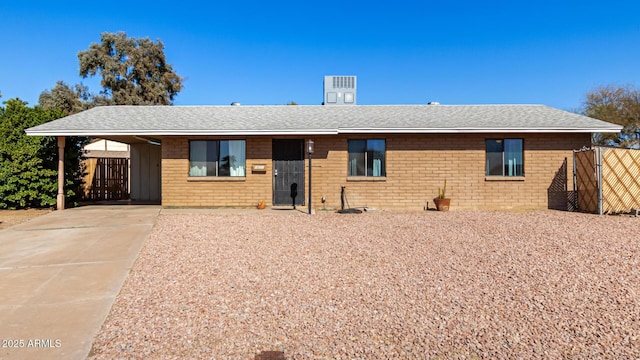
x,y
574,198
310,195
60,197
599,169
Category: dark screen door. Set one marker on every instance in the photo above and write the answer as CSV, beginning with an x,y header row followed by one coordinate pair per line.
x,y
288,171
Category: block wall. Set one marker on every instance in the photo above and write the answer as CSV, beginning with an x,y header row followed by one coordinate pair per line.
x,y
180,190
416,166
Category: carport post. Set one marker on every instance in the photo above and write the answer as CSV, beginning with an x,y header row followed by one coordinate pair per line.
x,y
60,198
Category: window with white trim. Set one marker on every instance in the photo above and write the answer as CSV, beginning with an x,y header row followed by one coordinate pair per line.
x,y
504,157
366,157
217,158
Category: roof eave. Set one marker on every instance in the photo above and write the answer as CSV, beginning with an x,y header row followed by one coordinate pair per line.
x,y
94,133
238,132
474,130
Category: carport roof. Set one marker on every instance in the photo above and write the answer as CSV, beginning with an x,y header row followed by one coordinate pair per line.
x,y
116,121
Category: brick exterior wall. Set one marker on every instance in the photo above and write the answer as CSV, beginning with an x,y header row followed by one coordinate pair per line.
x,y
179,190
416,165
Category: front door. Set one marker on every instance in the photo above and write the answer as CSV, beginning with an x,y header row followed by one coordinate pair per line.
x,y
288,172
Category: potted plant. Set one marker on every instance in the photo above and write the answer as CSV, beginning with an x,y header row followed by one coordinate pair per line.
x,y
442,202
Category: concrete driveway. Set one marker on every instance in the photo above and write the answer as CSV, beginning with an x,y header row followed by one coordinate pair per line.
x,y
60,274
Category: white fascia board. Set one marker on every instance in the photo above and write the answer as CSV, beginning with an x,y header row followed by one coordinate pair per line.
x,y
178,132
473,130
94,133
248,132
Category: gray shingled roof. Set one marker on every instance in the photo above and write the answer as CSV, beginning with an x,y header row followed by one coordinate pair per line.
x,y
277,120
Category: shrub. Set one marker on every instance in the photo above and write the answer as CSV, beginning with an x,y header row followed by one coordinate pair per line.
x,y
29,164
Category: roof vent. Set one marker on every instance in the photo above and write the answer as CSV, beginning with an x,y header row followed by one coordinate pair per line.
x,y
235,103
433,103
339,90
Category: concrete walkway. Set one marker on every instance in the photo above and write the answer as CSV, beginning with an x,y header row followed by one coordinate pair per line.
x,y
60,274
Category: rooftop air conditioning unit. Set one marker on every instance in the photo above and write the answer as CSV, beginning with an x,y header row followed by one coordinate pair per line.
x,y
340,90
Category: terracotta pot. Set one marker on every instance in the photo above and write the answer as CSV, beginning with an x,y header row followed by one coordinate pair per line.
x,y
442,204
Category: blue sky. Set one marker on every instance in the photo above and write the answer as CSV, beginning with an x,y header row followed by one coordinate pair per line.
x,y
403,52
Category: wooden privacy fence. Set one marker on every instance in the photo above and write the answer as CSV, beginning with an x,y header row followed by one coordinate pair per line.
x,y
607,180
106,179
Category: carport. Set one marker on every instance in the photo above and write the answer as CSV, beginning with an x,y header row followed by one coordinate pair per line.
x,y
146,163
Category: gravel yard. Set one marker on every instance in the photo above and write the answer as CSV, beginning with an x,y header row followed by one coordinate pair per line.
x,y
9,218
462,284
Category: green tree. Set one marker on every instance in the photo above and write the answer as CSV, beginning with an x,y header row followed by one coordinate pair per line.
x,y
134,71
63,97
28,164
619,105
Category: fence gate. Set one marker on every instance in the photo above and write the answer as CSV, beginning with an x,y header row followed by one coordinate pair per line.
x,y
106,179
586,180
607,180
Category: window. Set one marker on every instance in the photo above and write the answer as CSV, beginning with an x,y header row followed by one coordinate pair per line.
x,y
504,157
217,157
366,157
